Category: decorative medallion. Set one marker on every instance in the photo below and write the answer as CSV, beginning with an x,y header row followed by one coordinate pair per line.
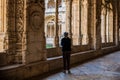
x,y
36,16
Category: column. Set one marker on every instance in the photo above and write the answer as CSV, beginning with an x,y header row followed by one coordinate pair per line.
x,y
70,18
105,23
98,25
90,28
35,47
118,21
80,37
10,36
56,25
94,24
19,19
91,23
51,30
116,24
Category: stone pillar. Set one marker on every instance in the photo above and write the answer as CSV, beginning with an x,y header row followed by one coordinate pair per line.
x,y
118,21
10,36
98,25
90,28
115,24
36,50
75,22
20,31
80,37
51,31
92,23
56,25
66,21
69,17
105,23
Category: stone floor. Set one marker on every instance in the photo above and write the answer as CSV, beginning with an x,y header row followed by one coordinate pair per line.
x,y
105,68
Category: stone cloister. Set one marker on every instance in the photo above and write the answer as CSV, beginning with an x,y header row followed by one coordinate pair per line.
x,y
27,27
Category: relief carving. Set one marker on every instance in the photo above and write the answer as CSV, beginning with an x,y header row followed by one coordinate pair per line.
x,y
36,18
20,19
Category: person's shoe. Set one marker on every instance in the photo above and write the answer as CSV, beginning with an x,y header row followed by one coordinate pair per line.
x,y
69,72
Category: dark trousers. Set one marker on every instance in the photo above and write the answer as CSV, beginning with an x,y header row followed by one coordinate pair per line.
x,y
66,60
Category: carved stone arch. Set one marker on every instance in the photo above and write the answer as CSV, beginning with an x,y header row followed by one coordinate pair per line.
x,y
49,18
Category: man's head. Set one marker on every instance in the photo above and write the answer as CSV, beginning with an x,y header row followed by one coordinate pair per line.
x,y
65,34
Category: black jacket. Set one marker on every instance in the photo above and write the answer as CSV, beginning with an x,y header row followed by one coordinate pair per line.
x,y
66,44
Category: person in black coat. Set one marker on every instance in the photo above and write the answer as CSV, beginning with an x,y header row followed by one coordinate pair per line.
x,y
66,49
